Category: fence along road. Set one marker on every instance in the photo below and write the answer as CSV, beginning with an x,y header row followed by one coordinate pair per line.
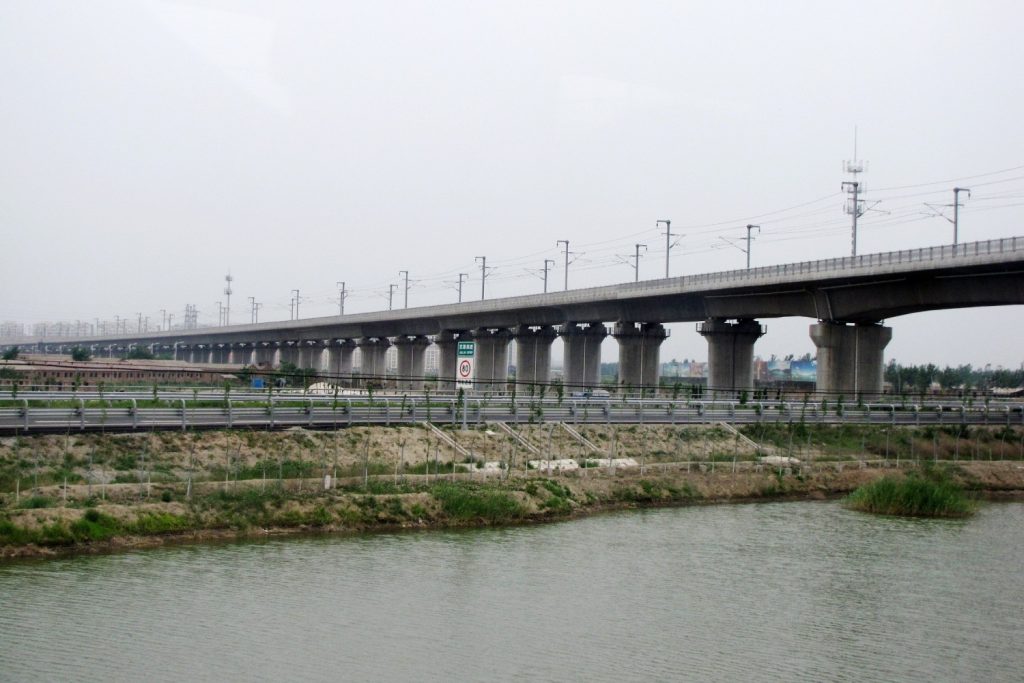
x,y
284,413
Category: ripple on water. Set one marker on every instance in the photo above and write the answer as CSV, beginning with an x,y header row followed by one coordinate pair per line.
x,y
789,591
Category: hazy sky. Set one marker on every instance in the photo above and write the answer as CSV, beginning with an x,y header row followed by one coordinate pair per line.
x,y
146,148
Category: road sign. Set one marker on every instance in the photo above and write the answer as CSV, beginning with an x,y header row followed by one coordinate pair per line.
x,y
465,360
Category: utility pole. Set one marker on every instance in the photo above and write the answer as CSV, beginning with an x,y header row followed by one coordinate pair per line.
x,y
256,312
391,294
145,323
462,278
296,300
749,228
668,239
566,243
170,321
548,263
163,323
252,309
636,259
342,295
405,273
956,212
140,323
227,293
482,260
220,313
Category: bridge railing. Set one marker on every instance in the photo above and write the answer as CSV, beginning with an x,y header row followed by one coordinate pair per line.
x,y
948,252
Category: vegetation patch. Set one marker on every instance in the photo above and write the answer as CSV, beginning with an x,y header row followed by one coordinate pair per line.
x,y
928,495
465,503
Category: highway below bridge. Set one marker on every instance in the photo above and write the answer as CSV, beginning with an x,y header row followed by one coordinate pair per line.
x,y
846,298
132,412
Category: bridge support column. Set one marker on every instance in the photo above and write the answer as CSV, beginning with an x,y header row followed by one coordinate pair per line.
x,y
447,347
263,354
373,367
339,362
412,351
491,372
288,353
850,358
241,354
639,354
308,354
533,356
222,353
730,354
582,359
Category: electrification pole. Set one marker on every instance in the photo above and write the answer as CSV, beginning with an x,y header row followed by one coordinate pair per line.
x,y
405,274
636,264
749,228
853,187
566,243
956,212
668,239
548,263
252,309
482,260
462,278
296,293
391,295
342,294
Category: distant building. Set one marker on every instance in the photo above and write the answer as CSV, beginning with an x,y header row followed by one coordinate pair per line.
x,y
11,330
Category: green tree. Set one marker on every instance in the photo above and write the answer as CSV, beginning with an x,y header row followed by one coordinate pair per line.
x,y
80,354
140,353
11,353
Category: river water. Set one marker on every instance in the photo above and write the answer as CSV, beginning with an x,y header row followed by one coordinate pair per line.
x,y
785,591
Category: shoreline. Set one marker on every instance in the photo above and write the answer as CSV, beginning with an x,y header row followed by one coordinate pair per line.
x,y
517,501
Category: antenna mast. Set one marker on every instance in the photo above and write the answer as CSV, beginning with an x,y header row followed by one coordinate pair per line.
x,y
854,188
227,293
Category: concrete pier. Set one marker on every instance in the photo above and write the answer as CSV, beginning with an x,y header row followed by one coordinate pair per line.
x,y
374,367
447,346
263,354
533,356
491,372
288,353
309,354
850,358
639,354
730,354
411,355
582,359
339,363
242,354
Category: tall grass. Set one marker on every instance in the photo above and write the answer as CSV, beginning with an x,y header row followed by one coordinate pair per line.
x,y
912,496
463,502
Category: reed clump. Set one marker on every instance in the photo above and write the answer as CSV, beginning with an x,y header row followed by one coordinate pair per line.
x,y
930,494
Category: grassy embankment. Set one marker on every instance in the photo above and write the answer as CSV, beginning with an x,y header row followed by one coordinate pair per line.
x,y
47,523
92,490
